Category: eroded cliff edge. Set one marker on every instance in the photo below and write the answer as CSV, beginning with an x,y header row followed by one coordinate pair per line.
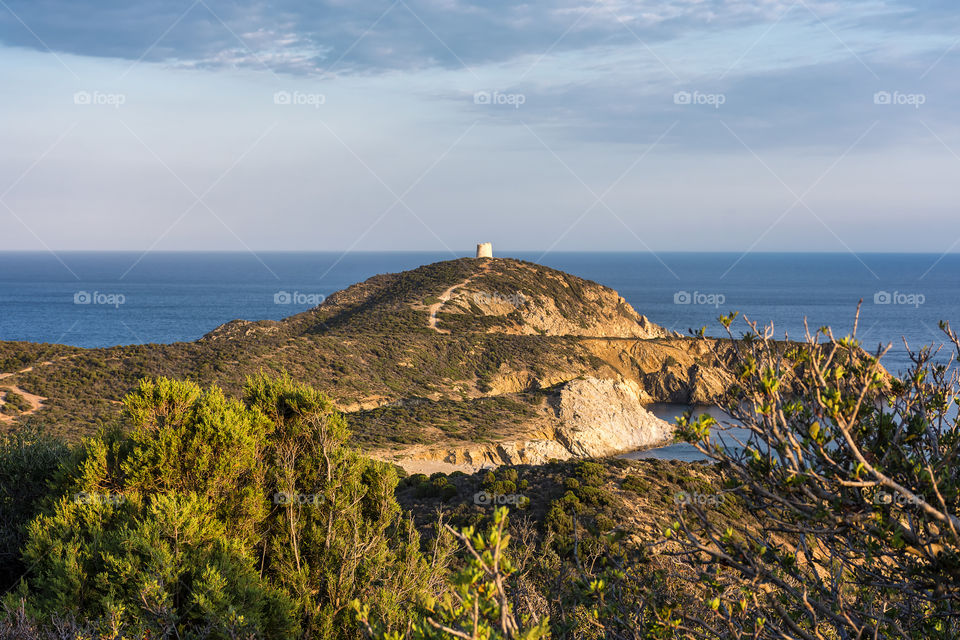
x,y
583,418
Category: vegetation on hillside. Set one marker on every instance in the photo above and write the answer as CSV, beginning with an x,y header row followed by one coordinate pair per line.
x,y
84,390
366,346
213,517
418,421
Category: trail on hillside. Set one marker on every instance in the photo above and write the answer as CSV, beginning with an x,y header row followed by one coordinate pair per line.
x,y
445,297
35,401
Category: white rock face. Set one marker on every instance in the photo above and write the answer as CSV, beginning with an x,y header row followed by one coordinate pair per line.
x,y
601,416
594,417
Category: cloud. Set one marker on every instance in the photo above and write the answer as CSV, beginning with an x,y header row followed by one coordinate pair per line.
x,y
598,80
383,35
800,85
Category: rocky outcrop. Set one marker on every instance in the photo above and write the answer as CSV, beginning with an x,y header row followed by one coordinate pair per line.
x,y
533,313
666,370
591,417
599,417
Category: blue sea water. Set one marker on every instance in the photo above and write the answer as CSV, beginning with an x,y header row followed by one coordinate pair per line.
x,y
728,432
111,298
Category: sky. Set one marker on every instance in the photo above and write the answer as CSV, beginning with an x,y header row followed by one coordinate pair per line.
x,y
573,125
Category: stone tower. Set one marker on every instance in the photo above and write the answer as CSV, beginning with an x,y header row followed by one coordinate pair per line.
x,y
485,250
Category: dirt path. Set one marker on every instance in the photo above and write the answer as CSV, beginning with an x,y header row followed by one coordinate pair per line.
x,y
444,298
46,363
429,467
35,401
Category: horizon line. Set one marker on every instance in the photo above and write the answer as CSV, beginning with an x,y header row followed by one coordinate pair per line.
x,y
502,252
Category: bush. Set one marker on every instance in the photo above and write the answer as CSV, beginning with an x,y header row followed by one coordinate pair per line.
x,y
28,459
477,605
854,475
212,516
502,482
635,484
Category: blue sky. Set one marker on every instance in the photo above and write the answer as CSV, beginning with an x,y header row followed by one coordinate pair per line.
x,y
734,125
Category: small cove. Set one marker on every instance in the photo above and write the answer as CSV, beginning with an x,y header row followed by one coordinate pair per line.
x,y
683,451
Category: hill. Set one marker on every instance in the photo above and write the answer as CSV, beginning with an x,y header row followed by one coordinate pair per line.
x,y
464,362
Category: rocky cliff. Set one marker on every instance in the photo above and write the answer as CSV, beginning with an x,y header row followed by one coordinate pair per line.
x,y
587,417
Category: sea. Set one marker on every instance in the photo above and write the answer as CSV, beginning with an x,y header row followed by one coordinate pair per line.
x,y
100,299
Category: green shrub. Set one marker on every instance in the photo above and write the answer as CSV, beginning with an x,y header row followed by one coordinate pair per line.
x,y
502,482
438,486
214,516
28,459
636,485
591,473
417,479
477,605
